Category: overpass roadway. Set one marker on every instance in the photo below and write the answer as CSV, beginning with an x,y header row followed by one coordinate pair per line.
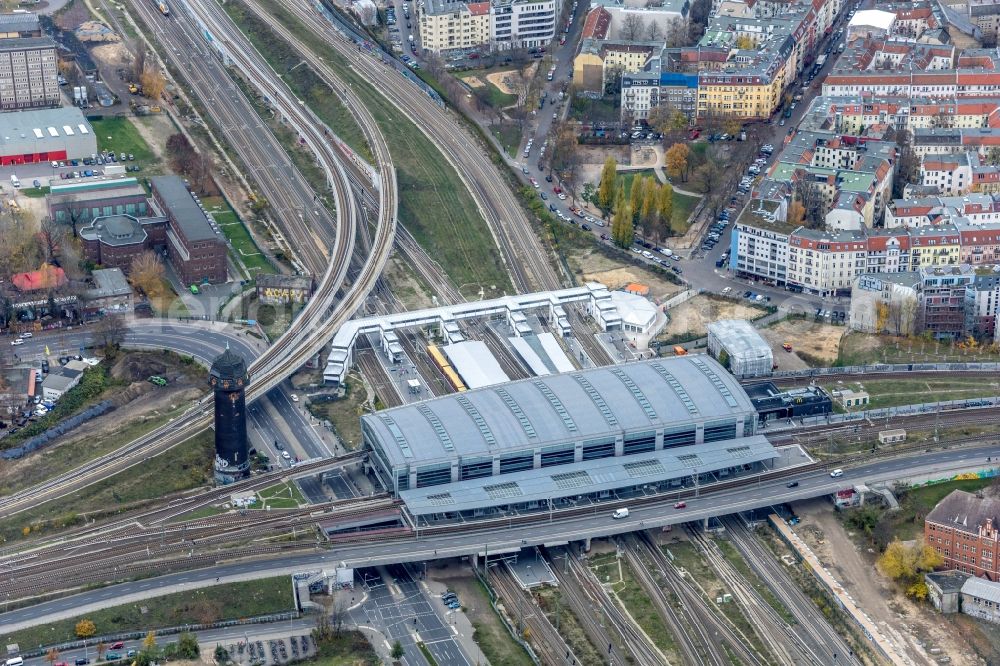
x,y
494,539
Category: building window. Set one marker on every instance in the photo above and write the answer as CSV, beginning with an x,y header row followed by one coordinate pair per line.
x,y
433,476
561,456
602,448
639,443
516,463
476,469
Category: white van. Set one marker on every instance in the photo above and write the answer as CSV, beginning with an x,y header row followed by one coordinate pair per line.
x,y
15,182
16,661
620,513
837,472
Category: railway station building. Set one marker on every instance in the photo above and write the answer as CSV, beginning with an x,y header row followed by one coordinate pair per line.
x,y
558,440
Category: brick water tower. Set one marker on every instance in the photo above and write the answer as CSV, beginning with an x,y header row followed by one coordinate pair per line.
x,y
229,378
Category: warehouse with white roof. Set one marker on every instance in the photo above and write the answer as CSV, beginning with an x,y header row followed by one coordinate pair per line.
x,y
45,135
657,424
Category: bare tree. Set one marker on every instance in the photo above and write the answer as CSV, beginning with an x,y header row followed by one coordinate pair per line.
x,y
654,33
632,27
139,60
677,33
48,236
110,332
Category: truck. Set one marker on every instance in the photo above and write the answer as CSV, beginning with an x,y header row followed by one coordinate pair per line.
x,y
820,61
840,49
15,182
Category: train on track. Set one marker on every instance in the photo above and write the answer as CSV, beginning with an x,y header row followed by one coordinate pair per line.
x,y
441,361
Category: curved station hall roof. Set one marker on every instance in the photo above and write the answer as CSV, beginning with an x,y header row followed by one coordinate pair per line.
x,y
573,406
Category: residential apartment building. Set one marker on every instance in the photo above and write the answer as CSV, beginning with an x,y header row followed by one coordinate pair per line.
x,y
885,303
748,57
984,14
974,208
598,60
942,300
852,175
965,530
826,262
28,73
497,24
954,174
982,301
446,25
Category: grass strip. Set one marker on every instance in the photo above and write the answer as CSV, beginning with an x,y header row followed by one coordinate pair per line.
x,y
228,601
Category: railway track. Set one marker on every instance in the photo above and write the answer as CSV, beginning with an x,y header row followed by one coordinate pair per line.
x,y
549,646
521,250
711,625
773,632
642,650
694,648
810,622
64,566
586,611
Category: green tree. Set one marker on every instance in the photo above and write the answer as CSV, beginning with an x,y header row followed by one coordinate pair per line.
x,y
665,205
648,212
397,651
607,190
221,654
622,229
635,198
187,646
589,191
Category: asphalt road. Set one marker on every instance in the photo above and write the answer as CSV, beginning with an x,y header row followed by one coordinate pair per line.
x,y
600,523
401,611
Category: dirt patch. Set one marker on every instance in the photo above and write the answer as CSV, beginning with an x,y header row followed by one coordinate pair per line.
x,y
407,286
504,81
817,342
695,315
593,266
155,130
914,629
592,160
645,156
72,16
509,81
113,55
474,81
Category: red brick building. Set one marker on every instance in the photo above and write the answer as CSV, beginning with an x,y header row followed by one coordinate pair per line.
x,y
195,246
965,529
178,229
